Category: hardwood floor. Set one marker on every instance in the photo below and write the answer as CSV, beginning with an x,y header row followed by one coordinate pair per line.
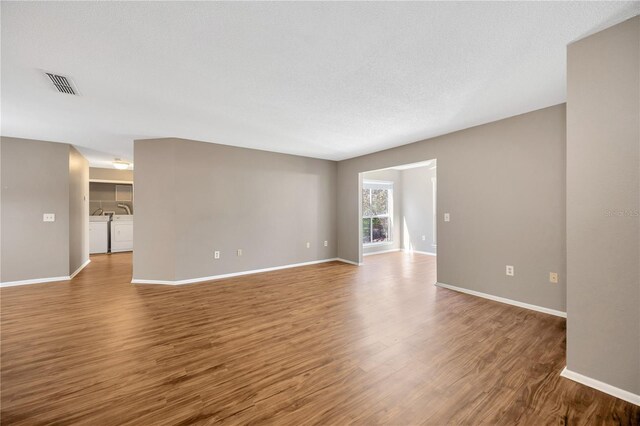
x,y
323,344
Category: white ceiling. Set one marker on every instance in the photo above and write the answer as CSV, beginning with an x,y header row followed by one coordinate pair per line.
x,y
328,80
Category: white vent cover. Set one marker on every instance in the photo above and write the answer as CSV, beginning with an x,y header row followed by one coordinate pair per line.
x,y
61,83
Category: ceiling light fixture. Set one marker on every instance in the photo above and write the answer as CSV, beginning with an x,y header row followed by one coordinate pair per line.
x,y
120,165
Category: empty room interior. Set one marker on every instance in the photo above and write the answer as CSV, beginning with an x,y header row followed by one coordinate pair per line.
x,y
326,213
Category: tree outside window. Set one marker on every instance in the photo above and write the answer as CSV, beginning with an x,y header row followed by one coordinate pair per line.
x,y
376,212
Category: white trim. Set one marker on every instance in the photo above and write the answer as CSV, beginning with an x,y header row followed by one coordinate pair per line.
x,y
381,243
601,386
348,261
419,252
34,281
79,269
504,300
377,184
136,281
233,274
128,182
380,252
412,165
45,280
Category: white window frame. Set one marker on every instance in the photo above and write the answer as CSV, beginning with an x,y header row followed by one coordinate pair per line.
x,y
379,184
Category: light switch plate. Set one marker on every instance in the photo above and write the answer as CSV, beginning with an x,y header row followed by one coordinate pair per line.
x,y
49,217
326,243
308,245
447,217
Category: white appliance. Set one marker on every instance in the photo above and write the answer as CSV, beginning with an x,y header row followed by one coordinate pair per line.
x,y
98,234
121,233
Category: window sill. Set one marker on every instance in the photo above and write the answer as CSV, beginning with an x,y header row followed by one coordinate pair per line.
x,y
386,243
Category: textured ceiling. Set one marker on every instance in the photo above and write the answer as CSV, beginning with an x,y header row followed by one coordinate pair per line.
x,y
328,80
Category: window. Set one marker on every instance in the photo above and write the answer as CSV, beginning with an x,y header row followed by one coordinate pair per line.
x,y
377,202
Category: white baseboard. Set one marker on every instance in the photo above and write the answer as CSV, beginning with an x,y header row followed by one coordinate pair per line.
x,y
231,275
397,249
46,280
601,386
161,282
350,262
419,252
34,281
504,300
380,252
79,269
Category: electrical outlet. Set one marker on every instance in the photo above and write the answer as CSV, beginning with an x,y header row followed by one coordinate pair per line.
x,y
510,271
326,243
239,252
216,254
49,217
308,245
553,277
424,238
447,217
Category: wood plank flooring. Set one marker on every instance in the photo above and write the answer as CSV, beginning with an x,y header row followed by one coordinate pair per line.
x,y
322,344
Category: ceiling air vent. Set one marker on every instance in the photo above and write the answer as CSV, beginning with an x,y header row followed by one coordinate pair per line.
x,y
62,83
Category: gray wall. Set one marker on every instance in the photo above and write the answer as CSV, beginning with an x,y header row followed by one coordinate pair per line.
x,y
154,224
35,180
110,174
504,185
418,209
394,176
603,201
78,210
225,198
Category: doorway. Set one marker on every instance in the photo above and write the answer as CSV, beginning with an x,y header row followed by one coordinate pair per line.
x,y
398,209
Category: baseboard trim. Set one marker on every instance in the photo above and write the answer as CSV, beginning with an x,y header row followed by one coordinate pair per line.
x,y
34,281
159,282
46,280
231,275
350,262
398,249
504,300
601,386
381,252
419,252
77,271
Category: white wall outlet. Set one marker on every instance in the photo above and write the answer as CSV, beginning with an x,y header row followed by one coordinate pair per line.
x,y
49,217
424,238
447,217
510,270
216,254
239,252
326,243
553,277
308,245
